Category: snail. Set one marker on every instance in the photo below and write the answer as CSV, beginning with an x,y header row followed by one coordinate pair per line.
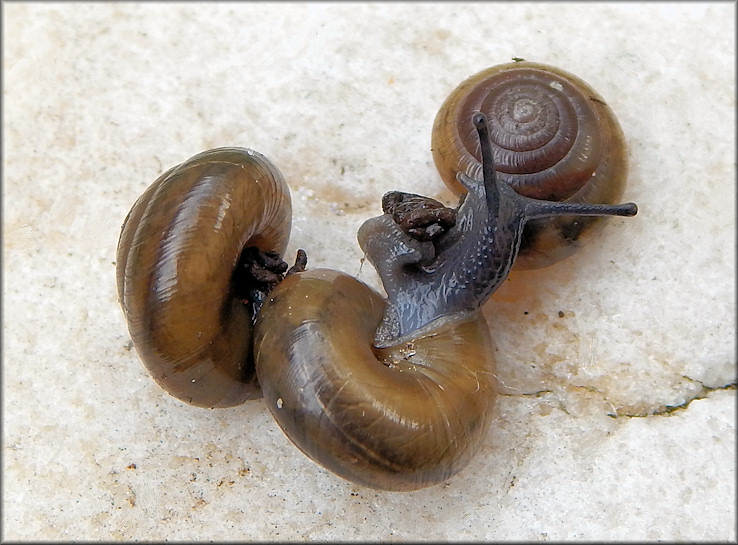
x,y
392,393
397,394
187,260
554,138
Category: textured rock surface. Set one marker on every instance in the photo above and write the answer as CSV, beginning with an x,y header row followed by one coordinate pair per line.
x,y
618,419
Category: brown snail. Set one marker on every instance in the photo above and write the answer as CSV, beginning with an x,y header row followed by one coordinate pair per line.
x,y
178,271
393,394
409,409
554,138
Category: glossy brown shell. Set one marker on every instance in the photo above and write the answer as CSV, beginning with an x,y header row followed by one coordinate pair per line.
x,y
178,248
554,138
399,418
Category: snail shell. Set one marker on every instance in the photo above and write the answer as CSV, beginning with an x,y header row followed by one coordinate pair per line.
x,y
554,138
397,418
177,253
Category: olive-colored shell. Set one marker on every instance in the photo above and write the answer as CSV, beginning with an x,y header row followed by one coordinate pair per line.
x,y
399,418
178,248
554,138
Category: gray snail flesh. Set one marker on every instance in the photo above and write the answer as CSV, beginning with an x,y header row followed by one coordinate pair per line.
x,y
398,394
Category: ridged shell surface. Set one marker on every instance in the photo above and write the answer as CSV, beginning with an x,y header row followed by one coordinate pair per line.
x,y
554,138
176,255
399,418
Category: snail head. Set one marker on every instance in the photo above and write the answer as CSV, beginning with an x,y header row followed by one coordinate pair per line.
x,y
431,280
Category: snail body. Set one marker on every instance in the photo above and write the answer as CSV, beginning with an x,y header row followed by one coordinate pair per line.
x,y
553,138
177,253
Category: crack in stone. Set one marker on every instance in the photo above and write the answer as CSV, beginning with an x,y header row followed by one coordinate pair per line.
x,y
528,394
669,409
702,393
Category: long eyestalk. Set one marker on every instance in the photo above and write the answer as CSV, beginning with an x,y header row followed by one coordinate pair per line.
x,y
534,208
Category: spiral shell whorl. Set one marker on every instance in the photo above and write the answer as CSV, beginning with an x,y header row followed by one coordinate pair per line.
x,y
399,418
554,138
177,252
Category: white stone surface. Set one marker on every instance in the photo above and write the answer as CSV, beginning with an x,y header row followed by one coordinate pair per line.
x,y
618,421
